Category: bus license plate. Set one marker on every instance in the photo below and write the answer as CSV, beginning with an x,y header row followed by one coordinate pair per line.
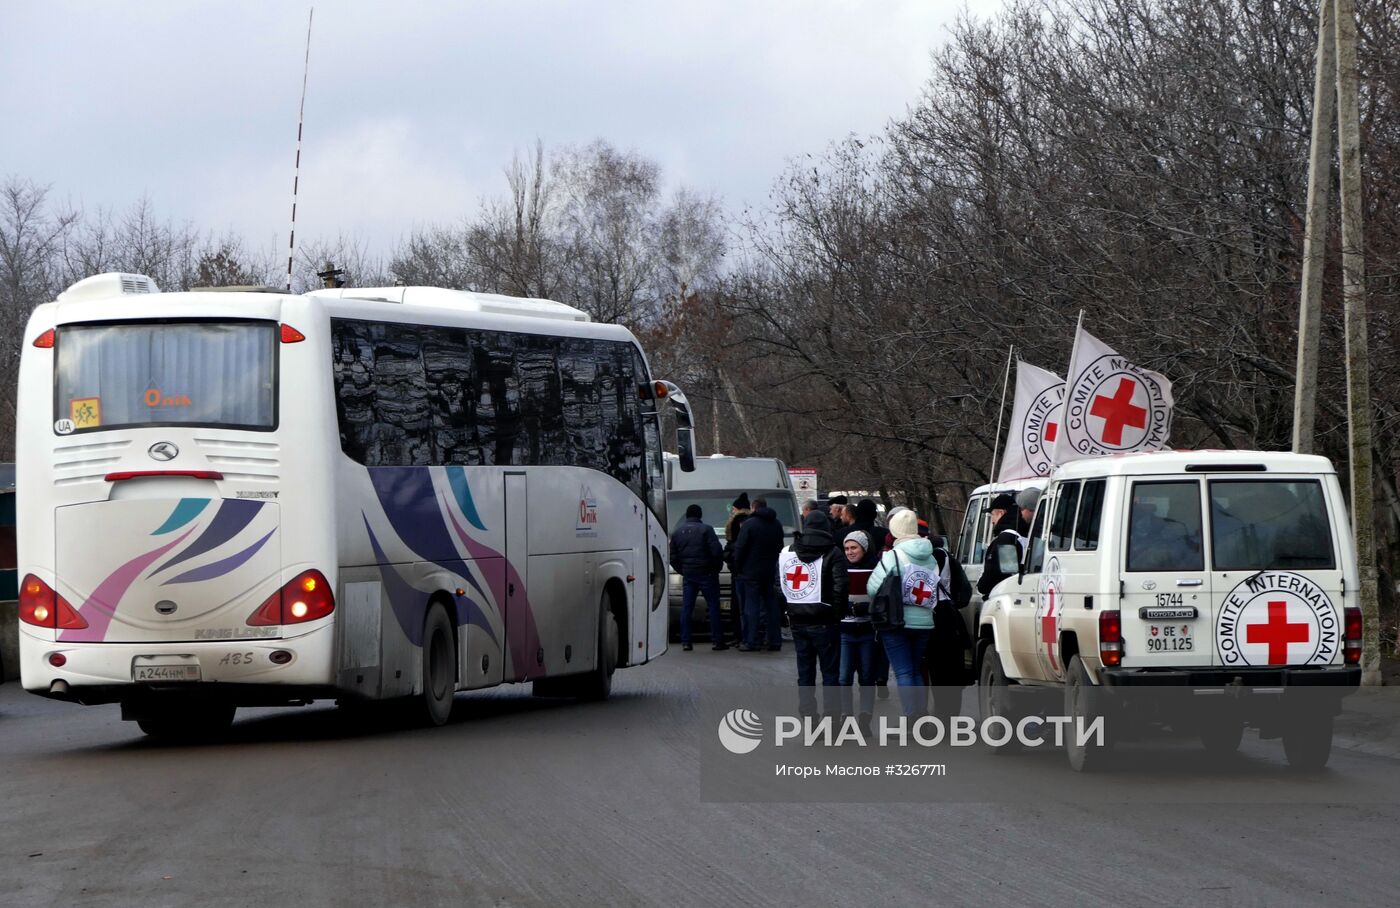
x,y
165,671
1170,638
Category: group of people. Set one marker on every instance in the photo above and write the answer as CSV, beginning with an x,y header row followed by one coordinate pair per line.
x,y
823,583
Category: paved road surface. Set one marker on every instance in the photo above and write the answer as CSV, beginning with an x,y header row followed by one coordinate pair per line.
x,y
526,802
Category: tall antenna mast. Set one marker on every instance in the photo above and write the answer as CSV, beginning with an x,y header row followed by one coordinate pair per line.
x,y
296,169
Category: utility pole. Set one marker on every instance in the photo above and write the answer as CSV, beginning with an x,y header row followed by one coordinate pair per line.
x,y
1358,361
1315,237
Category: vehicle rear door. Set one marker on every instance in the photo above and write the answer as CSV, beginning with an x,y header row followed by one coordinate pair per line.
x,y
1277,577
1167,611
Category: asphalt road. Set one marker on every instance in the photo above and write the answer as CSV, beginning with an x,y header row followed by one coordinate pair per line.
x,y
526,802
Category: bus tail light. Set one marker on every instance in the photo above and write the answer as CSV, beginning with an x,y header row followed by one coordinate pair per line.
x,y
1111,637
1352,649
45,340
291,335
306,597
40,606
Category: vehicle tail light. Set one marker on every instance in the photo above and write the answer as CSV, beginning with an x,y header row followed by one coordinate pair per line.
x,y
291,335
306,597
40,606
1351,651
45,340
1111,638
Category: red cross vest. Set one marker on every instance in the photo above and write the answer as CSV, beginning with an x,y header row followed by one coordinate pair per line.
x,y
922,587
800,581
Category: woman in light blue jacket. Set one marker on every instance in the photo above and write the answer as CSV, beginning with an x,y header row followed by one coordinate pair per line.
x,y
923,587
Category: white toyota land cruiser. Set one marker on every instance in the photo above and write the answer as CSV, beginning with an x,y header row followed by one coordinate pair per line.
x,y
1204,591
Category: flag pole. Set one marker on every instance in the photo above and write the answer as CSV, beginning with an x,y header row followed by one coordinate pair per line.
x,y
1001,413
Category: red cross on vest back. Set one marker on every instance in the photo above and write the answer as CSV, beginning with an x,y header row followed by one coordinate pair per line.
x,y
1277,633
1119,412
920,593
798,576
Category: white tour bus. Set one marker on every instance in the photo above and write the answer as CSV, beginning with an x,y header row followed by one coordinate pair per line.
x,y
249,498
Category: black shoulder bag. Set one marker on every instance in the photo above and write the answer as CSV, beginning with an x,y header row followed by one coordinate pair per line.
x,y
887,605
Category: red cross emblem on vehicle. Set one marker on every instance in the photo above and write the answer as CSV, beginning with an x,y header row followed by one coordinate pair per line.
x,y
798,577
1048,630
920,592
1118,412
1277,633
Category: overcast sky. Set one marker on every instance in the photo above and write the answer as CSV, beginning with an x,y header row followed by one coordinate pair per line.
x,y
413,108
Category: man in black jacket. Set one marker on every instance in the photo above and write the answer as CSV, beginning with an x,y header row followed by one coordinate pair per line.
x,y
812,576
696,555
1006,531
756,567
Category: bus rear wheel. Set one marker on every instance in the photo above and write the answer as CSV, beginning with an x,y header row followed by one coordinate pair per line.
x,y
439,666
597,684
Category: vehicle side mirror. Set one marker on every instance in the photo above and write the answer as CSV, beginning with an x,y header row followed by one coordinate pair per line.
x,y
685,423
685,441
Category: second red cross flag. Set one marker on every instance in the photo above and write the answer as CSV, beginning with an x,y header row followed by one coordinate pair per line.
x,y
1035,424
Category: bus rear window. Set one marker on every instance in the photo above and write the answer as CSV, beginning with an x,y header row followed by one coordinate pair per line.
x,y
1269,524
165,374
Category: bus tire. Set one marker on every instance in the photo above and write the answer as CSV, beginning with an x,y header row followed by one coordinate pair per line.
x,y
439,666
597,684
994,696
187,722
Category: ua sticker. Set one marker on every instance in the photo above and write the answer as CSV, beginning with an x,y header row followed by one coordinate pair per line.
x,y
63,426
86,412
1277,618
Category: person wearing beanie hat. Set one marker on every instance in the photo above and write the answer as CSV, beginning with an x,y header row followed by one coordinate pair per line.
x,y
1008,528
860,650
924,584
904,524
1026,500
865,521
812,575
741,503
697,556
837,506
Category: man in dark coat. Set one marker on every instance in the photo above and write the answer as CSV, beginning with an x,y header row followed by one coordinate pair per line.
x,y
756,567
697,556
812,574
739,511
1006,531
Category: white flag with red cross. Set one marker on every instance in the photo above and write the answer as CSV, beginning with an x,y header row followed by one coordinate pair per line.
x,y
1036,415
1112,406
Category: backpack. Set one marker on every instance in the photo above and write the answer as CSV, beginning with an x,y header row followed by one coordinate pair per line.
x,y
887,605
